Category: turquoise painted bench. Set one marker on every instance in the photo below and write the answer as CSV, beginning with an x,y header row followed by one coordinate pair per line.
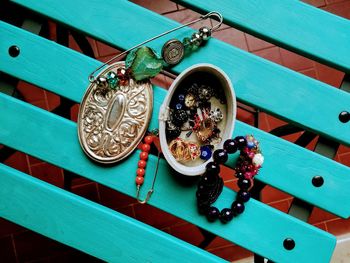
x,y
112,236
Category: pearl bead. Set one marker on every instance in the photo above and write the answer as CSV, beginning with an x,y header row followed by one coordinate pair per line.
x,y
220,156
144,156
230,146
212,168
226,215
196,40
145,147
241,142
237,207
258,159
187,45
243,196
142,164
139,180
148,139
244,184
205,32
140,172
212,213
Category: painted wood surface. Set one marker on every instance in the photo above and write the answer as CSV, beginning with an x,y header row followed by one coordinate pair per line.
x,y
87,226
326,241
287,167
258,82
261,229
292,24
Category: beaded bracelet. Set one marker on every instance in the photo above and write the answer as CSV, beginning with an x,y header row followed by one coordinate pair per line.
x,y
211,184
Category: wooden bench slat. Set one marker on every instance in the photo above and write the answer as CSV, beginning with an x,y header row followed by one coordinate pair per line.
x,y
292,24
54,139
87,226
296,165
124,24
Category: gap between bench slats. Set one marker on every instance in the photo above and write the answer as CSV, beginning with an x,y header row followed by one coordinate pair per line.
x,y
88,226
54,139
292,24
287,167
273,88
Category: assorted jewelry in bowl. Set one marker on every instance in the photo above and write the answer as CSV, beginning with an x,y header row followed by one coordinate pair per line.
x,y
211,184
193,128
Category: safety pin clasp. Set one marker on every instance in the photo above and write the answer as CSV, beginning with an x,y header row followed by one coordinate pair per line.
x,y
92,78
151,190
148,196
214,14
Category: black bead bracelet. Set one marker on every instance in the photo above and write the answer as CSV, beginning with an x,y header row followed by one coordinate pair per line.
x,y
211,184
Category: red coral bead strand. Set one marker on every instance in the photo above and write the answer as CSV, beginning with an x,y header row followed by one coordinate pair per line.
x,y
140,172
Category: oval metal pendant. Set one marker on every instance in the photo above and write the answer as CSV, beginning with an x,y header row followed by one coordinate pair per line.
x,y
111,123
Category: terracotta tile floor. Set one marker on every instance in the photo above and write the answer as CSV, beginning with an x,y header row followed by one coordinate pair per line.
x,y
20,245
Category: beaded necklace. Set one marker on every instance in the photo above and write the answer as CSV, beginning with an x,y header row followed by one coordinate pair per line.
x,y
211,184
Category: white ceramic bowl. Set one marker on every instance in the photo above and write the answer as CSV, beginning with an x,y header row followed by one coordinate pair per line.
x,y
229,115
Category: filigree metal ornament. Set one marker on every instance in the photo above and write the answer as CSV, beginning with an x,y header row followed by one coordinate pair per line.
x,y
117,106
112,122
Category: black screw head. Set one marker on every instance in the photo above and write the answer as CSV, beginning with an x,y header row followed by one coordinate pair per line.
x,y
288,243
317,181
344,116
14,51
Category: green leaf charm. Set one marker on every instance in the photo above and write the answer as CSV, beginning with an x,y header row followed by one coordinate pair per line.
x,y
144,63
130,58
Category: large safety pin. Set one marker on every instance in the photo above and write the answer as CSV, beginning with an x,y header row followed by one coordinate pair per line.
x,y
216,14
151,190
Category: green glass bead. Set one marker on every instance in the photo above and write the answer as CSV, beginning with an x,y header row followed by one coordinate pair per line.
x,y
196,39
194,47
112,80
187,44
145,63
